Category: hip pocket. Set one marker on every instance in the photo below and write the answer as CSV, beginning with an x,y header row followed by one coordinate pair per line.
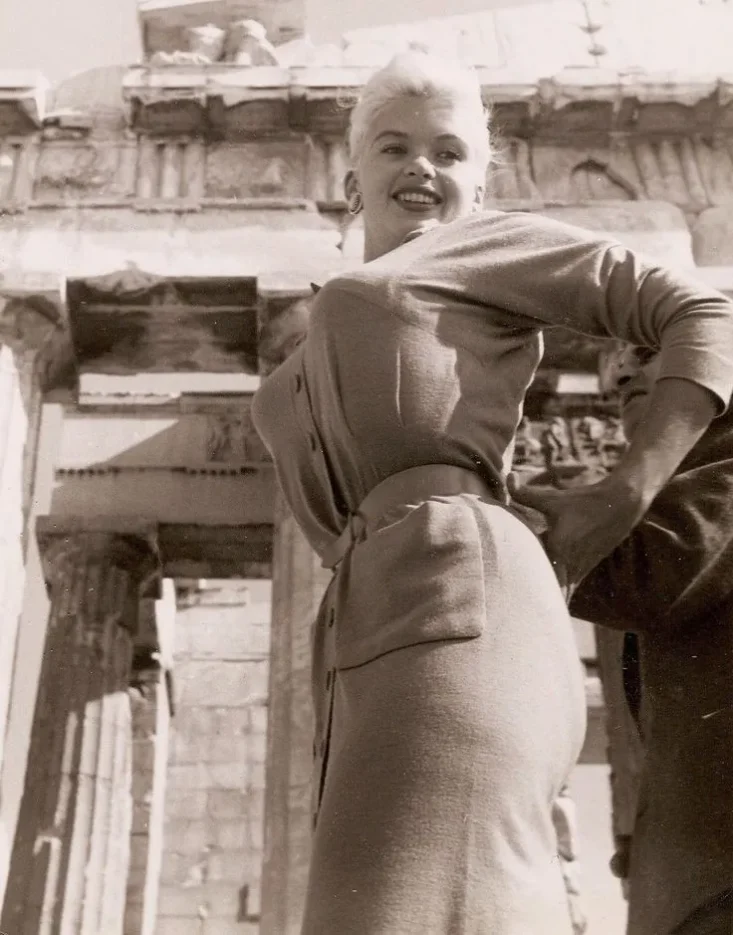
x,y
418,580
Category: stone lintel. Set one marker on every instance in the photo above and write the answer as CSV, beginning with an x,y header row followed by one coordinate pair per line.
x,y
216,551
239,101
22,101
132,322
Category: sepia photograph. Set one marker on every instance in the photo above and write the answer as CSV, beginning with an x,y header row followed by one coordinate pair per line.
x,y
366,467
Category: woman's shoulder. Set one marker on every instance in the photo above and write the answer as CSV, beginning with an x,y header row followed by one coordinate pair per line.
x,y
522,228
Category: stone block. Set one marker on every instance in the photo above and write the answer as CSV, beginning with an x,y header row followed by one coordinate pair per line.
x,y
222,927
228,803
187,835
222,684
655,228
178,926
257,775
224,900
223,632
258,719
231,866
184,870
230,835
84,171
183,802
712,236
256,170
183,902
256,838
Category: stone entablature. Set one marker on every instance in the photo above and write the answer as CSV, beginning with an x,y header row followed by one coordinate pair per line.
x,y
305,172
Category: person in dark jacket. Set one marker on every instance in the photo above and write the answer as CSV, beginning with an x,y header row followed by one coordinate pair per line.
x,y
671,582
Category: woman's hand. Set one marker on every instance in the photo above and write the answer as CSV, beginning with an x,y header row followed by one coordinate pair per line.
x,y
585,523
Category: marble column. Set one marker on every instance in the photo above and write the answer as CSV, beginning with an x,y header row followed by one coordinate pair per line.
x,y
151,709
70,859
298,584
33,350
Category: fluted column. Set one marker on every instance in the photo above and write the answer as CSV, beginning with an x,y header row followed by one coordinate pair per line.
x,y
34,348
69,865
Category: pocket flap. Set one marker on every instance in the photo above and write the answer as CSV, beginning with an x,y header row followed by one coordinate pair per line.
x,y
420,579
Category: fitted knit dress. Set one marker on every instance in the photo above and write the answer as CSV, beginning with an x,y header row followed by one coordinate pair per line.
x,y
447,688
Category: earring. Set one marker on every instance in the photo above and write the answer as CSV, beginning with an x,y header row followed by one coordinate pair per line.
x,y
355,203
478,204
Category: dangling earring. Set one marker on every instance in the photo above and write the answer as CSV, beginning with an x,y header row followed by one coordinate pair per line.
x,y
478,204
355,203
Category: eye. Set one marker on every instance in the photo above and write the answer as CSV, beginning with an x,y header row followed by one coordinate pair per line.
x,y
450,155
393,149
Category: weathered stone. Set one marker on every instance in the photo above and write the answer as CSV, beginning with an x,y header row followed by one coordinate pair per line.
x,y
657,229
297,587
712,236
252,170
83,171
70,860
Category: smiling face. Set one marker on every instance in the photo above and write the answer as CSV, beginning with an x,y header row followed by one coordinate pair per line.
x,y
423,162
631,372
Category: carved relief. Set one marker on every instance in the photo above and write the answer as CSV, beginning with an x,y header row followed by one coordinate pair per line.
x,y
80,171
243,43
565,451
231,438
247,44
250,170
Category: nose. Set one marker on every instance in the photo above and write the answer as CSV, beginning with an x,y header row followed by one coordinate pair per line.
x,y
420,167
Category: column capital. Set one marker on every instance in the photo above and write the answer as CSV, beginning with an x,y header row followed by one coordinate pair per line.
x,y
34,322
125,544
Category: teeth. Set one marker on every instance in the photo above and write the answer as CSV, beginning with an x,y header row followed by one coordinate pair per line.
x,y
418,198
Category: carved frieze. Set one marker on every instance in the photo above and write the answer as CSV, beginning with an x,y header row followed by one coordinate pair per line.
x,y
84,171
183,171
564,450
253,170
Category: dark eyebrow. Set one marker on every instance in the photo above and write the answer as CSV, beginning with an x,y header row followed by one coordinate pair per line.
x,y
379,136
402,135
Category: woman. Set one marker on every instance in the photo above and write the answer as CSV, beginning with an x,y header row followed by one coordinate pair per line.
x,y
449,699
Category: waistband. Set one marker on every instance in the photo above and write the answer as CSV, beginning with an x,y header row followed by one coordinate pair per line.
x,y
406,488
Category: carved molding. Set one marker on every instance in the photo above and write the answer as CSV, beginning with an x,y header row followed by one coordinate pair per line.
x,y
178,172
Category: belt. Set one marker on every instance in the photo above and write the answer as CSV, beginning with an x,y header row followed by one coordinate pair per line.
x,y
406,488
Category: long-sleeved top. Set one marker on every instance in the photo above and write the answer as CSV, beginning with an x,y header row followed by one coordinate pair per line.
x,y
448,693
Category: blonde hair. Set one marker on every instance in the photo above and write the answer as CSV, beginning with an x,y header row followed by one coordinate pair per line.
x,y
418,73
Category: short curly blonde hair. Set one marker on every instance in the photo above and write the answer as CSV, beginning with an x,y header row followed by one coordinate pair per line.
x,y
419,73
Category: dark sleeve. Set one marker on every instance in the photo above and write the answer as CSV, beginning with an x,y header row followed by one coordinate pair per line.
x,y
546,273
677,563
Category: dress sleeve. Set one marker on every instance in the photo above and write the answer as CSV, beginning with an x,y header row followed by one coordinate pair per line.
x,y
554,274
676,565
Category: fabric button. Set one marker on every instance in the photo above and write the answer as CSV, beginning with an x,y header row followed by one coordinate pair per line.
x,y
331,617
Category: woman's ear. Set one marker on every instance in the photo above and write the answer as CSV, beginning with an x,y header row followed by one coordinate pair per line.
x,y
351,184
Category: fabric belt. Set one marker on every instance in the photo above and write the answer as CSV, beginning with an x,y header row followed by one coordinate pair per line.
x,y
406,488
